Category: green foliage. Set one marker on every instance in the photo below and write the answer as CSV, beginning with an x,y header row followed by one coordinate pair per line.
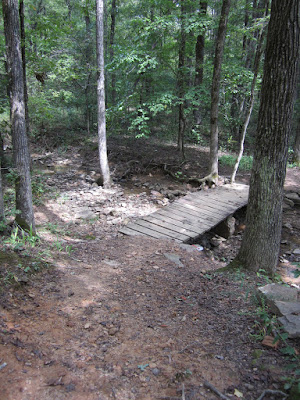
x,y
267,324
139,125
61,68
38,188
20,238
229,160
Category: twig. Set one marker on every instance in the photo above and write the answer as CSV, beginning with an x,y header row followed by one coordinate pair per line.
x,y
183,392
269,391
211,387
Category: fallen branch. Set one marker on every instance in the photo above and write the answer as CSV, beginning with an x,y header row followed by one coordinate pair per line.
x,y
222,396
215,390
183,392
269,391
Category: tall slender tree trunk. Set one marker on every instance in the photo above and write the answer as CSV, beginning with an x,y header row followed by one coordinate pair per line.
x,y
181,81
23,48
101,95
25,216
261,241
111,49
199,62
1,196
214,111
258,53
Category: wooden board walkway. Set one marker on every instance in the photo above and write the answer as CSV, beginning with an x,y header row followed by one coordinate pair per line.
x,y
192,215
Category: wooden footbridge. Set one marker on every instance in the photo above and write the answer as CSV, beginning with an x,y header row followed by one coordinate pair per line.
x,y
192,215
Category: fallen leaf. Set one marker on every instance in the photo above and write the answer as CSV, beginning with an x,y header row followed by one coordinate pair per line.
x,y
269,342
238,393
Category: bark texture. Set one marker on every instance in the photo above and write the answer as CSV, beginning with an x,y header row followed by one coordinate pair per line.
x,y
199,61
214,111
24,217
181,81
101,95
261,241
111,49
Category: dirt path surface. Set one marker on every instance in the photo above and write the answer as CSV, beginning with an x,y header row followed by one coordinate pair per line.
x,y
116,317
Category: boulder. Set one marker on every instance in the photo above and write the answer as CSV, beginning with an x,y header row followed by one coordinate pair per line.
x,y
276,292
291,325
283,301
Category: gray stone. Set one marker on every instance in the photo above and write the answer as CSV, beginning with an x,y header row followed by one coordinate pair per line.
x,y
155,371
226,228
112,263
275,292
282,308
291,325
174,258
296,252
190,248
85,213
294,197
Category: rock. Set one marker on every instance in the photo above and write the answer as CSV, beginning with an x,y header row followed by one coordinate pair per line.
x,y
226,228
283,301
287,203
291,325
216,241
288,226
282,308
294,197
296,252
85,213
174,258
155,371
189,248
275,292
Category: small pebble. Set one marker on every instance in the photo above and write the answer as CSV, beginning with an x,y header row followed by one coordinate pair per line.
x,y
155,371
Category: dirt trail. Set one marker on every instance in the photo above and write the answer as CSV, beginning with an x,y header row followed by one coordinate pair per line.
x,y
115,318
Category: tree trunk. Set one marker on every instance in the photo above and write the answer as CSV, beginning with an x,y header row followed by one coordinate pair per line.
x,y
1,197
111,49
24,217
199,54
296,144
101,95
181,81
296,147
261,241
23,49
220,42
258,54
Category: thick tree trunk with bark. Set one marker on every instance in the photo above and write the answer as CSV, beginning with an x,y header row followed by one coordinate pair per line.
x,y
261,241
296,148
1,196
24,217
101,95
216,89
181,81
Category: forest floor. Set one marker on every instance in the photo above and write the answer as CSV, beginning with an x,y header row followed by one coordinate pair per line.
x,y
87,313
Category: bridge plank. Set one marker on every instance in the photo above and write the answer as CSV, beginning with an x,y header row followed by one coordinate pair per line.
x,y
191,215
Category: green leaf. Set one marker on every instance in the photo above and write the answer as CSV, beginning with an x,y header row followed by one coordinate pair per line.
x,y
288,350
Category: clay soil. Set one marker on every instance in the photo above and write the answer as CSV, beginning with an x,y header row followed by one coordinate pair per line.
x,y
107,316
